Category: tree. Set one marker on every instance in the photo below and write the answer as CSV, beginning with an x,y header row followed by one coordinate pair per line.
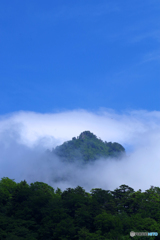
x,y
122,197
7,187
74,199
110,225
104,200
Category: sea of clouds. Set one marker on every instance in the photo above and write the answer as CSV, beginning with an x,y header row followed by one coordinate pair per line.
x,y
25,137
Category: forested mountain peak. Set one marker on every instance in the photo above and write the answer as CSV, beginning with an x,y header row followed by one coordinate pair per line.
x,y
86,134
87,147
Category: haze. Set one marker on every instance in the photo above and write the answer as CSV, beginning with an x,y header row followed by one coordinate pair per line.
x,y
25,137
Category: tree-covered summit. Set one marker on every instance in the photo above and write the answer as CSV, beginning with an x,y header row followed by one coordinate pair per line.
x,y
87,147
87,134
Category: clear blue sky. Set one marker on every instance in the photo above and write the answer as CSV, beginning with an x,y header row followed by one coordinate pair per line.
x,y
58,55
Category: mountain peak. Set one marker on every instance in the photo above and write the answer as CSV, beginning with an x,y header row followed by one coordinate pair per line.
x,y
87,134
87,147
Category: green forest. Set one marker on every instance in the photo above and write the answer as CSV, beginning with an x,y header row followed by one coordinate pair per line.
x,y
37,211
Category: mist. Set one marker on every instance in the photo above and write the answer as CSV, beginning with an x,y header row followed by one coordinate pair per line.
x,y
25,137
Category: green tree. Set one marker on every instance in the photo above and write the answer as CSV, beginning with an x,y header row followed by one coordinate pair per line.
x,y
122,196
104,200
7,187
110,225
84,234
74,199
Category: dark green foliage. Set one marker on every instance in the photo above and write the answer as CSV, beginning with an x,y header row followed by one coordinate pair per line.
x,y
121,197
109,225
104,200
87,147
38,212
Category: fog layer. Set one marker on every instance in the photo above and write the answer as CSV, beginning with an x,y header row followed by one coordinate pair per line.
x,y
25,137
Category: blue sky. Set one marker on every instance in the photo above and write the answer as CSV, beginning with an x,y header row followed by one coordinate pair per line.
x,y
71,66
65,55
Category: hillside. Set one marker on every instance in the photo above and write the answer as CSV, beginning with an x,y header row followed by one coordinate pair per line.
x,y
87,147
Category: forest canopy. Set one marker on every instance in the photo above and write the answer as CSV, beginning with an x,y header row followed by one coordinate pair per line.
x,y
38,211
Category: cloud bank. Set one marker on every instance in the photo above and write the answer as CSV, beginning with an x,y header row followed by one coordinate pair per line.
x,y
25,136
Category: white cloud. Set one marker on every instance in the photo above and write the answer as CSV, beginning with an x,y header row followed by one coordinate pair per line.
x,y
24,136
